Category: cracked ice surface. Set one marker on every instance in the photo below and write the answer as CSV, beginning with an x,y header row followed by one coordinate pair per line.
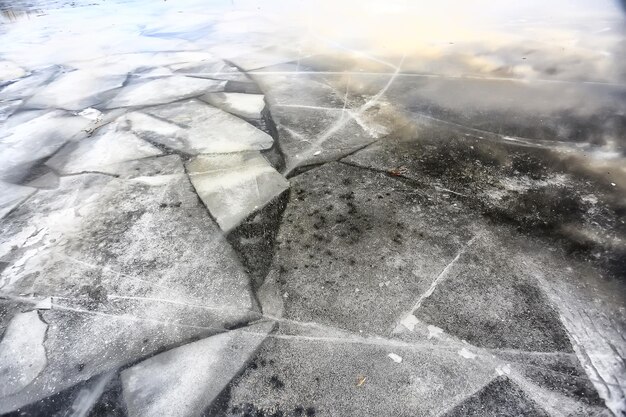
x,y
232,186
189,127
243,208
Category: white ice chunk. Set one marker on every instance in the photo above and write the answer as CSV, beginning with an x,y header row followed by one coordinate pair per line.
x,y
466,353
217,70
27,86
22,354
10,71
197,127
163,90
434,331
44,304
265,58
235,185
47,181
110,145
184,381
503,369
75,90
91,113
11,196
395,358
7,108
240,104
410,321
24,144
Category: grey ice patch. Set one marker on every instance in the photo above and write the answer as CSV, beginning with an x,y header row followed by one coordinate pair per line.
x,y
22,354
234,185
184,381
163,90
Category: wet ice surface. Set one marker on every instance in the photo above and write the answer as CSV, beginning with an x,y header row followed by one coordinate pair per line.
x,y
242,209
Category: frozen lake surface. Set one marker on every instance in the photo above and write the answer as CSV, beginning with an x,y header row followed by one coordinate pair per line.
x,y
312,208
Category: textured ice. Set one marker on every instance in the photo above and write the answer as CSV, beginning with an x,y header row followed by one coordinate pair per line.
x,y
11,196
10,71
217,70
110,145
264,58
7,108
233,186
163,90
159,166
243,105
120,260
122,64
27,86
184,381
22,354
75,90
23,145
194,127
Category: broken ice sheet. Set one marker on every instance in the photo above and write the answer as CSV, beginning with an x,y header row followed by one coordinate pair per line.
x,y
163,90
110,145
27,86
264,58
184,381
10,71
7,108
234,185
11,196
248,106
76,90
217,70
121,258
24,144
22,354
194,127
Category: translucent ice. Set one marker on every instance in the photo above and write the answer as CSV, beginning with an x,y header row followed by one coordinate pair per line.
x,y
194,127
244,105
76,90
184,381
27,86
235,185
163,90
111,145
24,144
10,71
22,354
11,195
